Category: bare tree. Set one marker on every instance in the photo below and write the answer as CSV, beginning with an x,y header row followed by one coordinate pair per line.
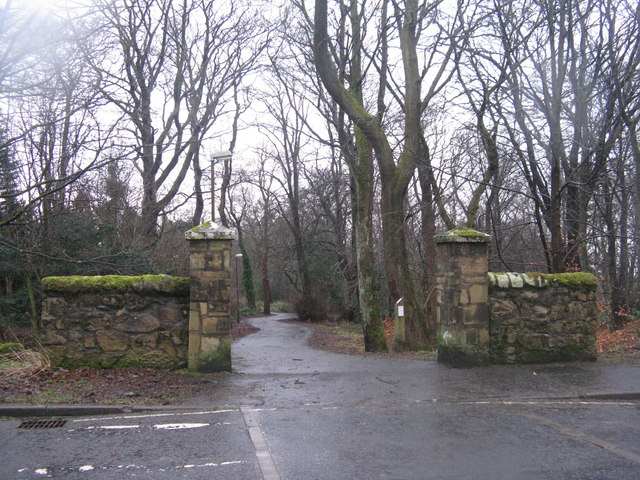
x,y
396,172
176,66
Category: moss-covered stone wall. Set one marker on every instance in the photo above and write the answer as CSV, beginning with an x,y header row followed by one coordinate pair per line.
x,y
536,318
116,320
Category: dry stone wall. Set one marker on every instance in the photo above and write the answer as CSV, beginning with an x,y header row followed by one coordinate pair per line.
x,y
116,320
488,317
542,318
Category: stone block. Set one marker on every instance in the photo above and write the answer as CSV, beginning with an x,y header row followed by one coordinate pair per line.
x,y
170,315
144,342
471,336
197,261
540,311
208,345
469,313
158,359
210,325
98,321
89,340
215,260
474,267
502,307
112,341
464,296
51,337
55,307
75,335
530,296
194,344
478,293
483,335
179,337
195,319
141,323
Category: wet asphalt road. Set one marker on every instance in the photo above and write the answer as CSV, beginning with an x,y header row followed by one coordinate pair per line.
x,y
291,412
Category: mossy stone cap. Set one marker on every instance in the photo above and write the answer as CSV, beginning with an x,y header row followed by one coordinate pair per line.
x,y
210,231
118,283
462,235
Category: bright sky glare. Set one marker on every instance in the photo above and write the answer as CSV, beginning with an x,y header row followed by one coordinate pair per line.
x,y
41,5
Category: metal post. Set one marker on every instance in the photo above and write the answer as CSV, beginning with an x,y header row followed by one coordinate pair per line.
x,y
214,159
238,257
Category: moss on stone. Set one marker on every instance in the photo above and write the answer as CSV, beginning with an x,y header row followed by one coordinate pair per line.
x,y
575,280
217,361
462,235
462,232
201,228
119,283
10,347
210,231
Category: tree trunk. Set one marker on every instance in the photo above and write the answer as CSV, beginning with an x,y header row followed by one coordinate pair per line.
x,y
197,189
266,287
368,290
428,217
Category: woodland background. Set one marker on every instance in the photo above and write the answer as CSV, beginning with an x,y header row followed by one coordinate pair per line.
x,y
358,129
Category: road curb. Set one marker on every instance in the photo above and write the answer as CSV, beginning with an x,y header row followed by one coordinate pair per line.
x,y
611,396
79,410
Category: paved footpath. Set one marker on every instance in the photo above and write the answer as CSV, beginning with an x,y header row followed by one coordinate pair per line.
x,y
292,412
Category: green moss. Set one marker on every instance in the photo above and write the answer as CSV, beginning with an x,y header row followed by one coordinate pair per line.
x,y
140,283
11,347
201,228
218,361
576,280
568,353
462,232
375,338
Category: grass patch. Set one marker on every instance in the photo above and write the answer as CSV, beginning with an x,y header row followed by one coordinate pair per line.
x,y
21,363
347,338
281,306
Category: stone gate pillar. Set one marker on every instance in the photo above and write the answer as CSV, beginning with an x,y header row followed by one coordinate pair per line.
x,y
462,308
209,320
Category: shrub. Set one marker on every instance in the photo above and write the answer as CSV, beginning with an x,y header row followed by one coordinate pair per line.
x,y
281,306
310,308
15,309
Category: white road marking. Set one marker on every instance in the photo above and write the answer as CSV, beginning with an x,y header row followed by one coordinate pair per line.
x,y
88,468
166,426
112,427
153,415
179,426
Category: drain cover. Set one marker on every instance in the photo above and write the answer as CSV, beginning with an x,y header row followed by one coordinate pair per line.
x,y
43,423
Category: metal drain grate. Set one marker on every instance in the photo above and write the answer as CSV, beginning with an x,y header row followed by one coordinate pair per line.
x,y
56,423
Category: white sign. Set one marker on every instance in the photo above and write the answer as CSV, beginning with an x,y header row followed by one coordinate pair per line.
x,y
400,310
